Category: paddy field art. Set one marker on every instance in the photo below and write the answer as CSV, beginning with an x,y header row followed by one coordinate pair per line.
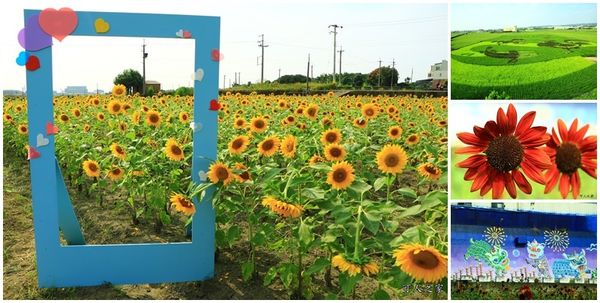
x,y
533,64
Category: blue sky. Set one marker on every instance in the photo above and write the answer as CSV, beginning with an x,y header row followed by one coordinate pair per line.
x,y
414,35
472,16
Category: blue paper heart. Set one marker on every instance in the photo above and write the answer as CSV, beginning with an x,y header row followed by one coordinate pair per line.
x,y
22,58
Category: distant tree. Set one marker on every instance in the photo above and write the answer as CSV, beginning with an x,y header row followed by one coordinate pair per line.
x,y
150,91
388,75
184,91
292,79
132,80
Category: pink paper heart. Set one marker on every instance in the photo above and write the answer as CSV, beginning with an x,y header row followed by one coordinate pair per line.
x,y
51,129
58,23
216,55
32,153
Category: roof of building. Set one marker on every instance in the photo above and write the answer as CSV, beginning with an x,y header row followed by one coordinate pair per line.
x,y
152,82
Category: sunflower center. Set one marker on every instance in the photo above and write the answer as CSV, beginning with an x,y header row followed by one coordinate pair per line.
x,y
424,259
240,122
184,202
430,169
93,167
391,160
312,111
412,138
222,173
339,175
335,152
369,112
331,137
118,149
153,118
504,153
394,132
116,171
259,124
116,107
268,145
237,143
568,158
176,150
289,147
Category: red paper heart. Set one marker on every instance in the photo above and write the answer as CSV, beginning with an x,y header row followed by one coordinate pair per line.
x,y
32,153
58,23
33,63
214,105
216,55
187,34
51,129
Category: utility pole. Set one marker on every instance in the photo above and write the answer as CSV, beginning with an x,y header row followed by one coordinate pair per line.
x,y
262,46
411,75
307,71
224,76
335,27
279,74
340,51
392,77
229,82
144,56
311,71
379,83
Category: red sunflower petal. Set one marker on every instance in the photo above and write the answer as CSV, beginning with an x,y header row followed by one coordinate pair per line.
x,y
532,172
552,176
502,121
580,133
522,183
573,129
511,114
472,161
538,158
509,184
492,127
562,130
587,144
590,170
482,178
550,151
470,150
470,139
564,185
470,174
575,184
534,137
525,123
497,186
483,133
555,139
486,188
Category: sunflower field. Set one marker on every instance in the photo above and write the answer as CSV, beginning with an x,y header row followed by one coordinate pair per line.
x,y
322,196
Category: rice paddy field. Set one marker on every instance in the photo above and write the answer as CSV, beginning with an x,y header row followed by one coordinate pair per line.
x,y
315,197
530,64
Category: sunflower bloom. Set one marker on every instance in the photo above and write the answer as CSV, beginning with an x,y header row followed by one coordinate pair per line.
x,y
23,130
568,153
311,111
119,90
269,146
288,146
360,123
341,175
116,174
370,268
392,159
413,139
218,172
369,111
315,159
422,262
335,152
91,168
153,118
118,151
501,150
429,171
114,107
394,132
331,136
344,266
182,204
244,174
258,125
173,150
238,145
239,123
283,209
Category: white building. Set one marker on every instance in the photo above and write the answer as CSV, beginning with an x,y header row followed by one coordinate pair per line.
x,y
510,29
439,71
76,90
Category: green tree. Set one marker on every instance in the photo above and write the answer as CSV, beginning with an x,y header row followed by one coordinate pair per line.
x,y
292,79
388,76
132,80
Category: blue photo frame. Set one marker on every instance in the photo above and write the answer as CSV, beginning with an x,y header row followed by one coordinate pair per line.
x,y
78,264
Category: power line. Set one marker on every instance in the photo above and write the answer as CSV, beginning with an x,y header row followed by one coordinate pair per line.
x,y
335,27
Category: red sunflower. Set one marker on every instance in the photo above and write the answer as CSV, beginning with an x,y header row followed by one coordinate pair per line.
x,y
569,153
503,148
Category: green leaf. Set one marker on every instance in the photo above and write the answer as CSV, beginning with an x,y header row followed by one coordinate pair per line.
x,y
408,192
411,211
348,282
286,274
328,238
269,276
379,183
313,193
380,294
165,218
320,264
259,239
247,270
372,226
360,187
233,233
305,234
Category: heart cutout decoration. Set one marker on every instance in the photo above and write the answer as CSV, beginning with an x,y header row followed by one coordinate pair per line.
x,y
195,126
41,141
216,55
32,37
199,74
33,63
202,175
58,23
32,153
51,129
22,58
214,105
101,26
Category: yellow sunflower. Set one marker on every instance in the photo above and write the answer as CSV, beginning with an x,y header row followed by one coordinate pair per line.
x,y
315,159
369,111
288,146
429,171
283,209
116,173
394,132
184,117
345,266
244,174
119,90
335,152
331,136
239,123
392,159
23,130
239,144
118,151
422,262
114,107
86,128
135,117
91,168
173,150
360,123
220,172
258,125
341,175
100,117
269,146
370,268
76,112
413,139
311,111
182,204
153,118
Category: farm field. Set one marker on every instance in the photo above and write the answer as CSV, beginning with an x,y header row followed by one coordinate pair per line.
x,y
537,64
315,197
511,291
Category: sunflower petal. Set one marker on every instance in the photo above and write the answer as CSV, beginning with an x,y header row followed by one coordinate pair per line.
x,y
509,184
472,161
469,150
497,186
502,121
471,139
538,158
578,135
573,129
575,184
562,130
552,176
511,114
521,182
525,123
564,185
532,172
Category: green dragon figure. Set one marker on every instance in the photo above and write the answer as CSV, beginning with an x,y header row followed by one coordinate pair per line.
x,y
494,256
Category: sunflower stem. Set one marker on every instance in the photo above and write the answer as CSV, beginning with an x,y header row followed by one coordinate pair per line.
x,y
357,234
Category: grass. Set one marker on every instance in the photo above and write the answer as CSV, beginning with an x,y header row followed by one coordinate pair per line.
x,y
539,72
461,188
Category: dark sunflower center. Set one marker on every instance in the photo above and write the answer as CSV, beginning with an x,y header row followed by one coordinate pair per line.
x,y
240,122
335,152
153,118
391,160
331,137
412,138
369,112
504,153
245,175
119,150
394,132
424,259
568,158
431,169
339,175
259,124
176,150
93,167
116,171
290,118
222,173
312,111
361,122
184,202
116,107
289,147
268,145
237,143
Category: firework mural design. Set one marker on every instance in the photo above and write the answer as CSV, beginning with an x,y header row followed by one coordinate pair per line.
x,y
494,235
556,239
